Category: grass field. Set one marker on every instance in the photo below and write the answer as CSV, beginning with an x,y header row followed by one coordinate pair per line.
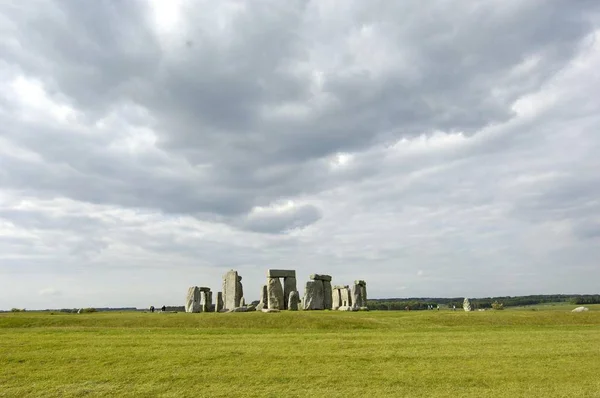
x,y
549,352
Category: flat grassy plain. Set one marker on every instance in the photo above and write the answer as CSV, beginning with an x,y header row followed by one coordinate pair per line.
x,y
549,352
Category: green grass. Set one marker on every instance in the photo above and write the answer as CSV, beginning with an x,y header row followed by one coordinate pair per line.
x,y
549,352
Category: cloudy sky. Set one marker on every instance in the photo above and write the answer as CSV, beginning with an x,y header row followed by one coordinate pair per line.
x,y
433,148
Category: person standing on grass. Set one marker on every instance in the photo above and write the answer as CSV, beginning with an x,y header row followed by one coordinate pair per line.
x,y
151,308
163,309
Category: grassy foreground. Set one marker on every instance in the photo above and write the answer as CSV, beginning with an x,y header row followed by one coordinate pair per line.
x,y
546,353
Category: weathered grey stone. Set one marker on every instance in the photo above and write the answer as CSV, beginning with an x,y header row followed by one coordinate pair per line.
x,y
467,305
346,297
239,309
275,294
242,302
239,293
293,299
359,294
347,308
232,290
250,308
356,298
281,273
219,302
363,289
581,309
192,303
204,289
313,295
341,287
319,277
269,310
264,297
336,298
205,301
327,295
360,282
289,285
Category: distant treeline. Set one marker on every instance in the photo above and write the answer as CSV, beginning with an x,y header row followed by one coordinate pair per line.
x,y
424,303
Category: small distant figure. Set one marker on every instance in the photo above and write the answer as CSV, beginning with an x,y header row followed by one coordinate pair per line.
x,y
438,307
164,308
151,308
453,307
407,308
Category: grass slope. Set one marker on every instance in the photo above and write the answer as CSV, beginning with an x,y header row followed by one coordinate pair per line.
x,y
336,354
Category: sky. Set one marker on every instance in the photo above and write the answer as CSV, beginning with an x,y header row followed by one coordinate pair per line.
x,y
433,149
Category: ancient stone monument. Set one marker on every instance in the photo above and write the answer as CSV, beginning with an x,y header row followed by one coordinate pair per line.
x,y
359,295
345,298
219,302
264,299
277,296
293,301
467,305
199,299
232,290
318,293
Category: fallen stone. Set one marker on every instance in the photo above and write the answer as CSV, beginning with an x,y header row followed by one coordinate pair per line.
x,y
250,308
275,294
267,310
239,309
581,309
281,273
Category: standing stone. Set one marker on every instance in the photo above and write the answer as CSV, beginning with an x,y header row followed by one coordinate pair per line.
x,y
289,285
275,294
293,300
192,303
356,297
467,305
327,295
346,297
231,286
242,302
264,299
219,302
336,299
210,301
205,301
363,289
313,295
239,292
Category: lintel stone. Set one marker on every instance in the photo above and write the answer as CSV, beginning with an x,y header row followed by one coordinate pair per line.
x,y
281,273
319,277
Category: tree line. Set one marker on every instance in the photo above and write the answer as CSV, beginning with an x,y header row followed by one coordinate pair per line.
x,y
424,303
